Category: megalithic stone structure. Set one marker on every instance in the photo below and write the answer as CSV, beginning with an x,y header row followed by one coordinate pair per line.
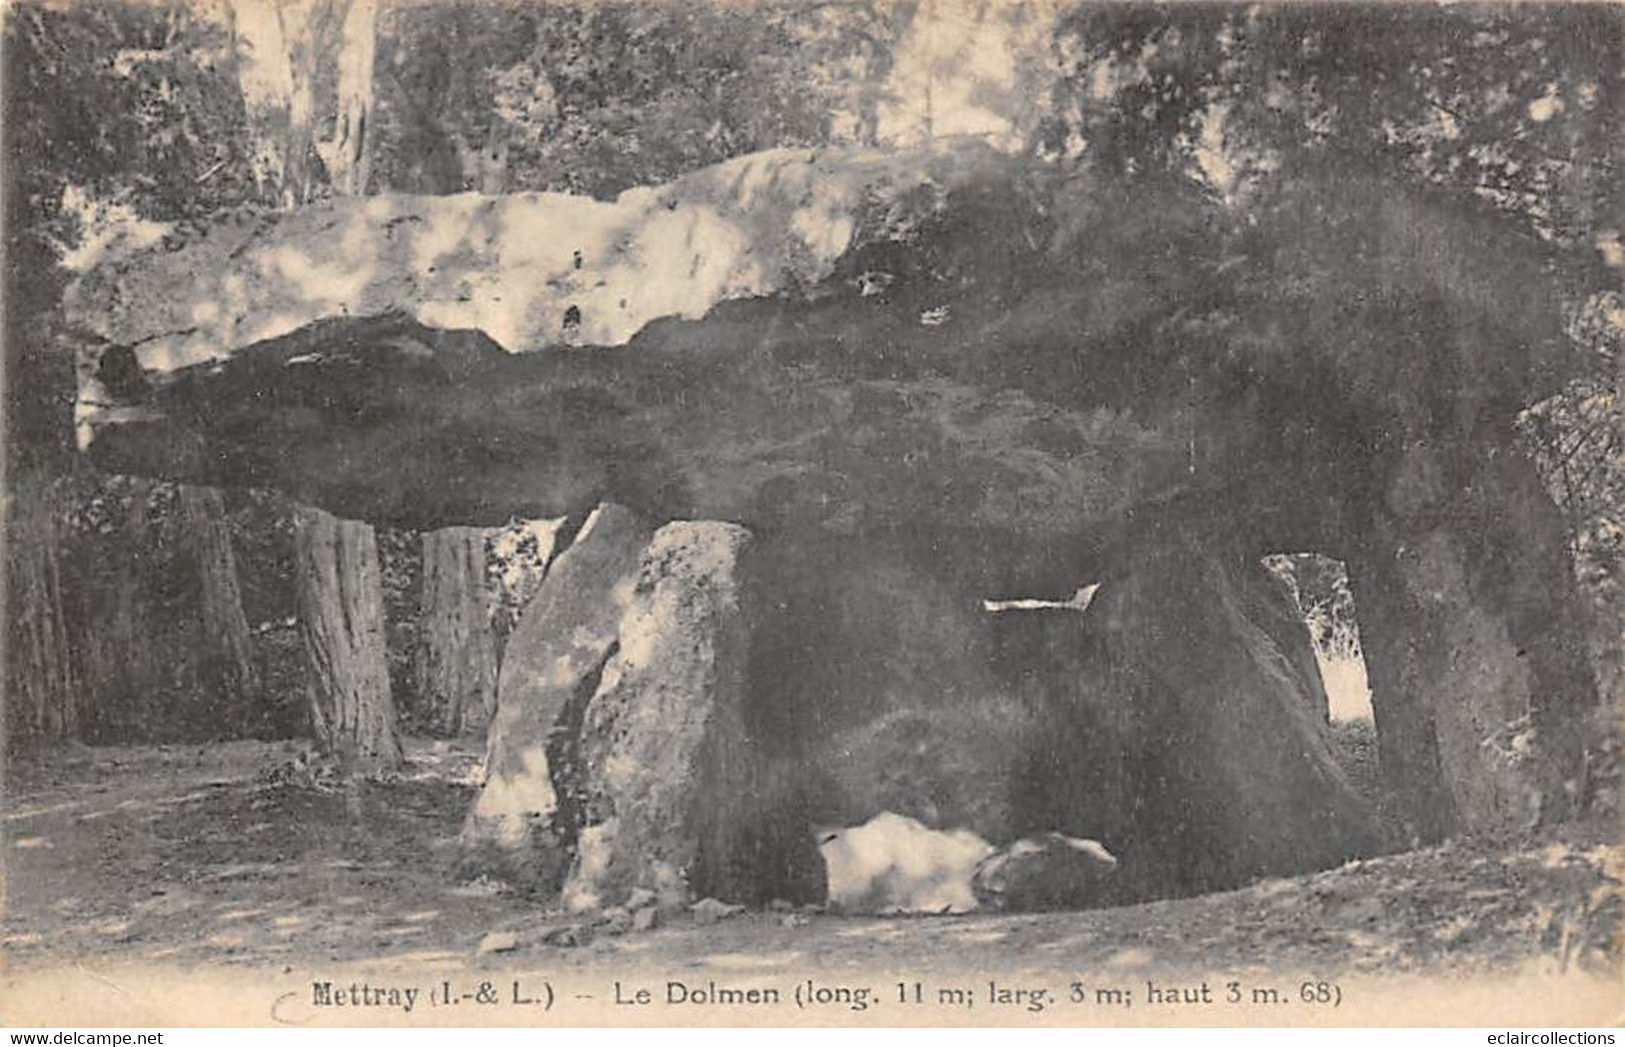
x,y
1035,407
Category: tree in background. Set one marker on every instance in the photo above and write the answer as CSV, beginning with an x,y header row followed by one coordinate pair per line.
x,y
596,98
341,615
456,650
299,64
133,106
154,117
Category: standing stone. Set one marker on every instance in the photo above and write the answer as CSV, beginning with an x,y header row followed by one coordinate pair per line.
x,y
340,600
1407,744
1236,779
666,764
524,824
1480,681
1478,692
1271,606
457,659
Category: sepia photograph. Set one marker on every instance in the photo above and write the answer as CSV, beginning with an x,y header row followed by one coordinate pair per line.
x,y
859,513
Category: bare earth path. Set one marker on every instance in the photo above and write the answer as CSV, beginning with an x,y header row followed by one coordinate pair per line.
x,y
127,869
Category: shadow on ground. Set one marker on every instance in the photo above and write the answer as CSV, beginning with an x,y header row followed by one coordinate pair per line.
x,y
219,855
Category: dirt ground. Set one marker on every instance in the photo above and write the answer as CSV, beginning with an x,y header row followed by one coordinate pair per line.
x,y
225,858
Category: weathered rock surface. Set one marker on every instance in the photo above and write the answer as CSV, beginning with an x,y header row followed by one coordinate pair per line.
x,y
386,420
521,827
892,863
1042,873
528,269
1271,606
1480,680
1234,779
665,764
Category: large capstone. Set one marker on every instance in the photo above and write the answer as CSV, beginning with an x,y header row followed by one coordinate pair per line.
x,y
529,269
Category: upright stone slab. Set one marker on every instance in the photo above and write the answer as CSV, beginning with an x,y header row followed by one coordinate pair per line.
x,y
666,766
1235,778
1271,606
1481,684
523,825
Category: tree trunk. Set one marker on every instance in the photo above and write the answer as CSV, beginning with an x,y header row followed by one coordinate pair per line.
x,y
297,175
163,649
349,155
457,664
265,77
42,699
494,160
340,603
281,49
220,601
117,659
